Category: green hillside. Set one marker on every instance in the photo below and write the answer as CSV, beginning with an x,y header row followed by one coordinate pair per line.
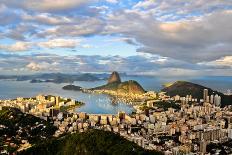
x,y
17,126
92,142
130,86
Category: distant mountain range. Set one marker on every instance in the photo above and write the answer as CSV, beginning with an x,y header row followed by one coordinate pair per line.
x,y
52,77
184,88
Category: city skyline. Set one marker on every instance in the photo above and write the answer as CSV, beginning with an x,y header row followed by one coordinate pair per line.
x,y
153,37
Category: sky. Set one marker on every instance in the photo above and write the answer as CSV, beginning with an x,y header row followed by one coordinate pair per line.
x,y
150,37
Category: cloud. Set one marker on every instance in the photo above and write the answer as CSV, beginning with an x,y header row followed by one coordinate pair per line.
x,y
84,27
46,5
16,47
222,62
49,44
21,32
42,66
145,4
203,39
60,43
33,66
126,40
86,46
48,19
8,17
112,1
170,36
139,64
181,9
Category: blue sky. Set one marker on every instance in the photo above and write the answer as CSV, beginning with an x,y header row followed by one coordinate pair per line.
x,y
152,37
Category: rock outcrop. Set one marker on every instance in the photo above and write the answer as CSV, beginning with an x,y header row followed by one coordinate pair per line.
x,y
114,78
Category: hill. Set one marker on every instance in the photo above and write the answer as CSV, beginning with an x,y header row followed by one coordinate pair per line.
x,y
130,86
126,87
184,88
92,142
16,126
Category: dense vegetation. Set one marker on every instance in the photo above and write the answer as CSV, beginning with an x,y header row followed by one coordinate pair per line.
x,y
225,147
64,108
17,126
165,105
109,86
92,142
162,104
184,88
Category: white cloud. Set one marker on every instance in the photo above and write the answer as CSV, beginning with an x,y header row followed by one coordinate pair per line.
x,y
33,66
60,43
112,1
46,18
52,43
223,62
145,4
206,39
46,5
86,46
84,27
18,46
182,36
147,65
42,66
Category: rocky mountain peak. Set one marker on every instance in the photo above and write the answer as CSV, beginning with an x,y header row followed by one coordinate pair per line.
x,y
114,77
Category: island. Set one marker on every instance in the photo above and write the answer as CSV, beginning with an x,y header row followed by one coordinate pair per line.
x,y
72,87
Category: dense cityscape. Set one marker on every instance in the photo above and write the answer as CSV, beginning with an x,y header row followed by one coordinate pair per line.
x,y
172,125
115,77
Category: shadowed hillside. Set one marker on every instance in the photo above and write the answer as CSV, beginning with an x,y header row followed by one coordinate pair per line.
x,y
184,88
92,142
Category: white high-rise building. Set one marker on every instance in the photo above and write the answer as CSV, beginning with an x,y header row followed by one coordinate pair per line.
x,y
207,99
205,94
211,99
217,100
